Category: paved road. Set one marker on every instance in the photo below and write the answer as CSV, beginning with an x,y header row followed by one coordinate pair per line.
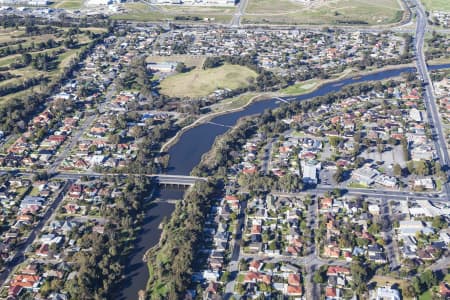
x,y
389,194
19,257
267,156
312,289
430,101
240,11
388,235
75,138
441,264
233,266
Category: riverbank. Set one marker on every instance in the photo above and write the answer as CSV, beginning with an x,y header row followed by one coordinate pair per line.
x,y
206,118
263,96
136,271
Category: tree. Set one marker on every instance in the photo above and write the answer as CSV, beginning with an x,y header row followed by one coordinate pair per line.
x,y
397,170
320,275
359,275
181,67
439,222
437,169
338,176
225,276
421,168
410,167
334,141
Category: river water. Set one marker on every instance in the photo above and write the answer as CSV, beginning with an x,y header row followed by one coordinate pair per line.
x,y
136,271
187,153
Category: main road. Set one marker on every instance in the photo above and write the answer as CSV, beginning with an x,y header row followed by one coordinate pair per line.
x,y
240,10
429,99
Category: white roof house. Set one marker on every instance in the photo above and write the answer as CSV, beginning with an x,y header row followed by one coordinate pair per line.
x,y
386,293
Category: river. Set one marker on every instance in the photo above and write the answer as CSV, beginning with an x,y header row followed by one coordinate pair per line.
x,y
136,271
187,153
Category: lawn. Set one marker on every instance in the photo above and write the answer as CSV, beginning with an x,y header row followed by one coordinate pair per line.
x,y
199,82
326,12
437,5
233,103
142,12
301,88
68,4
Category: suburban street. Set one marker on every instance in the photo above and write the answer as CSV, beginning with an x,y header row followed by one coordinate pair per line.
x,y
19,255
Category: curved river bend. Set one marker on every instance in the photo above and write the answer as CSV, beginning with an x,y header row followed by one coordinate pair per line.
x,y
186,154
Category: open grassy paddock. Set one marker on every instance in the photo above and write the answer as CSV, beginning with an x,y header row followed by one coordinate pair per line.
x,y
198,82
323,12
143,12
437,5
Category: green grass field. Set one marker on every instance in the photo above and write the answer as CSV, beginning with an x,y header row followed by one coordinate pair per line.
x,y
142,12
437,5
301,88
199,83
68,4
325,12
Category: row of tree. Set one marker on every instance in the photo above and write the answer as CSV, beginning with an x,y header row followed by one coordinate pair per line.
x,y
100,269
171,263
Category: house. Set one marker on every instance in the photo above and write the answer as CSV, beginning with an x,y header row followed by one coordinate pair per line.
x,y
386,293
337,270
410,228
331,251
255,266
424,183
310,170
374,209
423,152
26,281
330,293
444,289
415,115
30,201
365,175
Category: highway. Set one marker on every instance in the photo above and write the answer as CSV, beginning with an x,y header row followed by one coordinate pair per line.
x,y
429,99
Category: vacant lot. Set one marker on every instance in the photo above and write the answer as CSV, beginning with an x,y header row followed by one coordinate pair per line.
x,y
324,12
145,12
437,5
198,82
